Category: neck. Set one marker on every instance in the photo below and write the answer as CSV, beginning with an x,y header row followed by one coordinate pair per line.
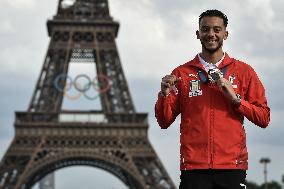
x,y
212,57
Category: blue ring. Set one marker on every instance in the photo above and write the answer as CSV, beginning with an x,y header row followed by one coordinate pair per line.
x,y
56,82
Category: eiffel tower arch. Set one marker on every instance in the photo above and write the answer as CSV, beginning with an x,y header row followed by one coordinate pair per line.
x,y
114,138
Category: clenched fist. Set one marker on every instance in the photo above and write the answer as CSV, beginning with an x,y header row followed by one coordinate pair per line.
x,y
167,83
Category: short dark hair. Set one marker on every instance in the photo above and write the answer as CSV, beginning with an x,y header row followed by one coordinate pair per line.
x,y
216,13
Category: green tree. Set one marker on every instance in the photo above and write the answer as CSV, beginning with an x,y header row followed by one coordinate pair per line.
x,y
271,185
251,185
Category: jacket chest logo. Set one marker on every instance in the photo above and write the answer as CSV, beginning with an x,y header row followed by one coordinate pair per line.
x,y
232,79
194,88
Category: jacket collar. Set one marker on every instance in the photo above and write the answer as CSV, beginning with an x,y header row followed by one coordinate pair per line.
x,y
196,63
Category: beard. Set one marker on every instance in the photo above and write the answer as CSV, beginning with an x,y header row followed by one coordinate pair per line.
x,y
211,51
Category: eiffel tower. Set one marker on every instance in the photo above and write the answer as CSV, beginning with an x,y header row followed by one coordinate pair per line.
x,y
114,138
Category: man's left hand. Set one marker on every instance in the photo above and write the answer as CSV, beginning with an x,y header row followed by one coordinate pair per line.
x,y
227,88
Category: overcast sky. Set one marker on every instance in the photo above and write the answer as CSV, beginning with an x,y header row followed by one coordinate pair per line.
x,y
155,36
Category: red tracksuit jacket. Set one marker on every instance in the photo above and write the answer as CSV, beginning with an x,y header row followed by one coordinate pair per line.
x,y
212,132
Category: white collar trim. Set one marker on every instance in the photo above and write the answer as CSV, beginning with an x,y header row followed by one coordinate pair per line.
x,y
207,65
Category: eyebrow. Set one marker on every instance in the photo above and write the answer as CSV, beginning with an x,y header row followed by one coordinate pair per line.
x,y
209,26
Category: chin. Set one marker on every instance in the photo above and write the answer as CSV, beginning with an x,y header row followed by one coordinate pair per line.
x,y
211,50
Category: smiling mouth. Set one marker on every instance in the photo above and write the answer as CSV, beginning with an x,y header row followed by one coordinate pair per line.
x,y
211,41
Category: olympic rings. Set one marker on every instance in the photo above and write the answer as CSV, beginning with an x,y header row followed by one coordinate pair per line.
x,y
57,82
103,78
75,97
86,87
91,98
63,83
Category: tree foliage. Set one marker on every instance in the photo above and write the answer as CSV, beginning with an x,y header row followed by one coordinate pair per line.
x,y
271,185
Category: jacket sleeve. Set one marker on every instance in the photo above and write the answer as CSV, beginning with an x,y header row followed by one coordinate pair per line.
x,y
167,108
254,104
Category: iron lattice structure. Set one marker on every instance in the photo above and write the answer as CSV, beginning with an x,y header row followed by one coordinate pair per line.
x,y
113,138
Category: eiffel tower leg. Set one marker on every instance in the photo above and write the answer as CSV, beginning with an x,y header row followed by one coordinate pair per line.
x,y
45,97
17,159
153,173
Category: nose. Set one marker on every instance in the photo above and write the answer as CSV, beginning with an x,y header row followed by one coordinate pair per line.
x,y
211,32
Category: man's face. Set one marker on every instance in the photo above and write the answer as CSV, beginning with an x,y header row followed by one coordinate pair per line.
x,y
211,33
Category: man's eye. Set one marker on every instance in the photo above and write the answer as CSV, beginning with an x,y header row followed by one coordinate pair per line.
x,y
217,30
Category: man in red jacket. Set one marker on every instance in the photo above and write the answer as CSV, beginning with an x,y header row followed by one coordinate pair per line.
x,y
213,93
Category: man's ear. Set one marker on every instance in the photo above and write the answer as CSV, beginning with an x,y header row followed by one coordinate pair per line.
x,y
197,34
226,35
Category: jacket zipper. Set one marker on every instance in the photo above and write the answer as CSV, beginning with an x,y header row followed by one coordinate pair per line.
x,y
211,149
211,128
211,163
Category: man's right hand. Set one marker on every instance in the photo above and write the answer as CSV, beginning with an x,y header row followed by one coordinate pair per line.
x,y
167,83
